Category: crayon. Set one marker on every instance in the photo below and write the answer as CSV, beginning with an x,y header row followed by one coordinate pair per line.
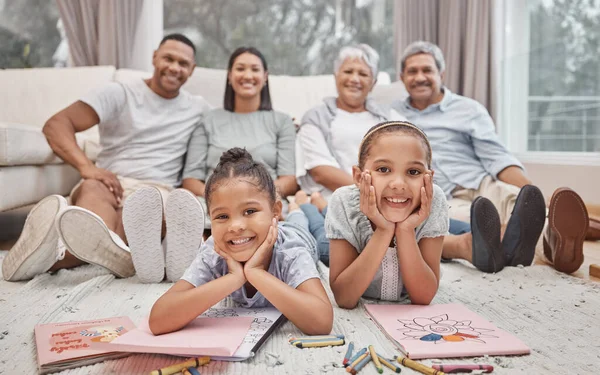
x,y
360,365
180,366
375,359
318,344
322,337
389,364
424,369
348,354
456,368
357,361
192,371
355,356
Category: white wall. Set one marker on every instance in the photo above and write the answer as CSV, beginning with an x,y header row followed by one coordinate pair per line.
x,y
585,180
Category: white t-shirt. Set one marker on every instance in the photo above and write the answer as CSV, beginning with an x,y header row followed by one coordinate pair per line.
x,y
347,131
143,135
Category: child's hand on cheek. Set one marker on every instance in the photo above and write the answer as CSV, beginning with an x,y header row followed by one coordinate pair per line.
x,y
368,203
422,213
262,256
235,268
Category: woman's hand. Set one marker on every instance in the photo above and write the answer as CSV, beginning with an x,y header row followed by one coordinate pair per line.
x,y
368,203
262,256
235,268
422,213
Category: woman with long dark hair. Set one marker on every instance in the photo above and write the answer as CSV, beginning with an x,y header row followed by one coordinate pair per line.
x,y
246,120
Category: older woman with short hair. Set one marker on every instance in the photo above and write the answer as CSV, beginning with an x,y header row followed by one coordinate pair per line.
x,y
330,134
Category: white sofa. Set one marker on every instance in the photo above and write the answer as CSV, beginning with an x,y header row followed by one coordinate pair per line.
x,y
29,170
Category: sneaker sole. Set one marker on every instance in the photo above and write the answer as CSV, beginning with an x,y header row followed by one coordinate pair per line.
x,y
185,227
532,211
142,219
35,250
568,254
485,225
86,237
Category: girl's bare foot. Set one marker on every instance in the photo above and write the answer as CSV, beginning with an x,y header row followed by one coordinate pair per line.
x,y
317,199
301,198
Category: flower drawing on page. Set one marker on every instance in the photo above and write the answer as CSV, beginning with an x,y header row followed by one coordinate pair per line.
x,y
441,329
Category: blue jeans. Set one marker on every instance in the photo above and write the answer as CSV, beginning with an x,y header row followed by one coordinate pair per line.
x,y
459,227
314,221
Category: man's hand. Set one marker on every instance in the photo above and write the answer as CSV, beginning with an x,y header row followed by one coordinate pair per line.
x,y
368,203
422,213
108,178
235,268
263,254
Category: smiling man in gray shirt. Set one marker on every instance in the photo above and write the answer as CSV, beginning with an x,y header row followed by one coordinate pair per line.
x,y
145,127
470,161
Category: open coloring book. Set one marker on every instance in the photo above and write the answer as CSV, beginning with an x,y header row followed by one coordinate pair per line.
x,y
443,331
72,344
226,334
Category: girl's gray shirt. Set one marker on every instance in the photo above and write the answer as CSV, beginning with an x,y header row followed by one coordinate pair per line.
x,y
345,221
293,262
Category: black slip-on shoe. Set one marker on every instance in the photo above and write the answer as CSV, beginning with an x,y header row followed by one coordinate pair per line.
x,y
524,227
485,229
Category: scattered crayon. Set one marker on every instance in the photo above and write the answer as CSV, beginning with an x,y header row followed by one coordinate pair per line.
x,y
355,356
173,369
375,359
348,354
389,364
357,361
360,365
322,337
417,366
318,344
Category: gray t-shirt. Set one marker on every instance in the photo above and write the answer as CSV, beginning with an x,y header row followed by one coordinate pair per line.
x,y
143,135
345,221
269,136
293,262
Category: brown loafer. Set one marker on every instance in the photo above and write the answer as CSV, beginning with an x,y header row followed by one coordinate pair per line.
x,y
593,232
566,230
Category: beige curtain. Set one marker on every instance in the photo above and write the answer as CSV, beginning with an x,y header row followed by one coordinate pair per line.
x,y
463,30
100,32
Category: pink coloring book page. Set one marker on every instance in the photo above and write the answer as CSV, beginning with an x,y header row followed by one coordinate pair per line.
x,y
203,336
443,331
59,342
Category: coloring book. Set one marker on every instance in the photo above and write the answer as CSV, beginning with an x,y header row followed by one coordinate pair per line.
x,y
443,331
61,346
230,334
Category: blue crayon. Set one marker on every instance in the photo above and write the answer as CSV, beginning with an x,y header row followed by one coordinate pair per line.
x,y
360,365
348,354
355,357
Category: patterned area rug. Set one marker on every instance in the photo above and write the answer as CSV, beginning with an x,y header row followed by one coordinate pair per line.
x,y
554,314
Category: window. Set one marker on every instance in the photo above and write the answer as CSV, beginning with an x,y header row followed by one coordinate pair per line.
x,y
551,79
297,37
564,76
29,34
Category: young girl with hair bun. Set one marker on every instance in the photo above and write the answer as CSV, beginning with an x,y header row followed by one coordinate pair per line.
x,y
251,255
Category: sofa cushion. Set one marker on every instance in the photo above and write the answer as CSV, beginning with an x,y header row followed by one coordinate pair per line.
x,y
204,82
31,96
26,145
27,184
386,94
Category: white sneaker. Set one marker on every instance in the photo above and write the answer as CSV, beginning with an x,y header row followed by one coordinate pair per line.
x,y
185,227
142,219
36,250
87,237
